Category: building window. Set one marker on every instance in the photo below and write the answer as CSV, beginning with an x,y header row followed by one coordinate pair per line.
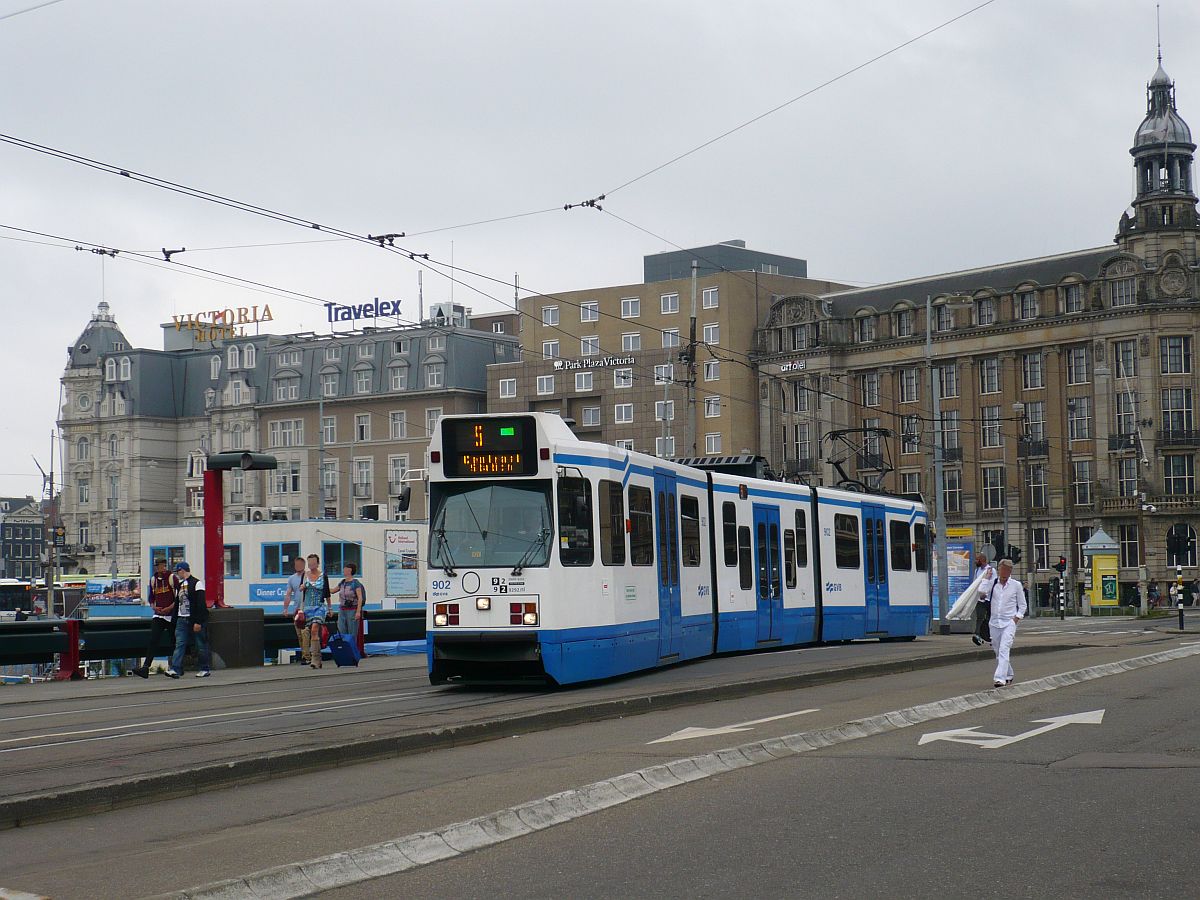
x,y
277,559
399,378
670,304
362,427
589,346
1041,548
712,333
623,413
952,493
589,311
366,351
83,450
85,491
985,312
712,407
110,370
232,357
631,308
622,378
214,368
286,478
989,431
664,374
1032,375
948,380
1179,474
864,329
943,318
126,367
1077,365
1027,305
1035,420
712,443
712,370
549,315
237,438
545,385
1073,298
398,424
497,328
1037,485
1175,355
910,385
1127,476
1125,357
631,341
664,410
910,434
286,433
1128,539
434,374
436,343
1122,292
288,359
1081,482
670,338
710,298
364,474
799,335
989,376
287,389
333,354
362,381
549,349
904,323
401,346
664,447
329,384
1079,418
1126,404
910,484
583,381
950,433
432,415
248,356
992,478
508,388
868,386
624,444
1177,409
329,429
591,415
397,466
1181,545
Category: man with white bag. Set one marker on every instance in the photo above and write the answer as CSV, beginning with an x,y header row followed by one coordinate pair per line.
x,y
1008,608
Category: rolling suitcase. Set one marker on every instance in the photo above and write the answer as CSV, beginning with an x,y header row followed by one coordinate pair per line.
x,y
344,650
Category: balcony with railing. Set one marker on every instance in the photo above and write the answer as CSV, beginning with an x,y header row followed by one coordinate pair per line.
x,y
1030,448
362,489
952,454
113,503
1119,442
1174,502
1176,437
329,492
799,466
1119,504
396,488
867,460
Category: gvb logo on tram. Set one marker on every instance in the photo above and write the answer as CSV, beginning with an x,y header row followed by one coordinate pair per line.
x,y
564,560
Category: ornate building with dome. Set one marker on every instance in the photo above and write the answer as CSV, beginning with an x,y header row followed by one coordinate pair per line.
x,y
1067,384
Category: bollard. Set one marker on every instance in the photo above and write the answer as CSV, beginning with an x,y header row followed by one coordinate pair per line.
x,y
1180,607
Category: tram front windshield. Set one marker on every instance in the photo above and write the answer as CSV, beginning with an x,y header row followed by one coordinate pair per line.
x,y
493,525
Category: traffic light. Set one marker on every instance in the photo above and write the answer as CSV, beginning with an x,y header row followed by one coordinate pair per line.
x,y
1014,553
249,461
1061,567
998,543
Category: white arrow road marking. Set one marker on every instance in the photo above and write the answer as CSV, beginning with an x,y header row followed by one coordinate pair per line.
x,y
996,741
688,734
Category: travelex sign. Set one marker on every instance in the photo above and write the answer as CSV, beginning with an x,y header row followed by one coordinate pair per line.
x,y
339,312
593,362
221,324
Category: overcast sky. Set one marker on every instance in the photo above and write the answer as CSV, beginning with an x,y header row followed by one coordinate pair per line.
x,y
1001,137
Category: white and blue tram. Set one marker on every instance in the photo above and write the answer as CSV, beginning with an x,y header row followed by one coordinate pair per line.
x,y
563,559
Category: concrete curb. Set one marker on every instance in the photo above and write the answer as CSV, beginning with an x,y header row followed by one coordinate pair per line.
x,y
103,796
311,877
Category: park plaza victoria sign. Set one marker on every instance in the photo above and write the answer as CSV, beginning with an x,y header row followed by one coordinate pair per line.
x,y
596,362
222,324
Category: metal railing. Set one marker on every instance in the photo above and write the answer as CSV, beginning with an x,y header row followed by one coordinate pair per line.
x,y
1175,437
1027,448
1117,442
362,489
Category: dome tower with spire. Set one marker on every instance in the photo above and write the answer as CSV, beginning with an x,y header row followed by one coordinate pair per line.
x,y
1164,207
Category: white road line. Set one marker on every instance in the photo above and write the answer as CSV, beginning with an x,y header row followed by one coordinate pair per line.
x,y
312,877
688,734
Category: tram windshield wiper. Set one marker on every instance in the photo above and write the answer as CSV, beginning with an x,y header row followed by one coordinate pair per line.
x,y
447,556
535,544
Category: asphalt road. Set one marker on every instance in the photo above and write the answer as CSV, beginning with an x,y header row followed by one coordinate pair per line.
x,y
878,815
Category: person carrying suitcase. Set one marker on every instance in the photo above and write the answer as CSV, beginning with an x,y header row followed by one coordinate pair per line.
x,y
351,597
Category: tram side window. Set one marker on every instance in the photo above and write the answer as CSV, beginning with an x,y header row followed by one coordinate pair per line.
x,y
730,533
745,576
612,523
689,529
575,522
921,542
901,546
845,541
789,557
641,527
801,538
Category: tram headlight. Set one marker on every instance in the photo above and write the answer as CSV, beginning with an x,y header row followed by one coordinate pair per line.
x,y
483,604
441,619
530,618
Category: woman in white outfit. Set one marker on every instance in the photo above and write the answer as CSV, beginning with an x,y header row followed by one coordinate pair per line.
x,y
1008,608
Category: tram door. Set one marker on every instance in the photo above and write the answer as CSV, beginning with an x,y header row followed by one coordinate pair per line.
x,y
875,565
667,532
769,586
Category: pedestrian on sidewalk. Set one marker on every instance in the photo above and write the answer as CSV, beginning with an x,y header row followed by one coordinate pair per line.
x,y
294,592
352,595
315,594
1008,608
191,622
983,606
162,621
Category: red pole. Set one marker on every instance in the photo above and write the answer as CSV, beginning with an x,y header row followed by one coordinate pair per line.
x,y
69,659
214,539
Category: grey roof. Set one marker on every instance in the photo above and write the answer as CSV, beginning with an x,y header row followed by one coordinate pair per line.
x,y
1003,277
1162,124
101,336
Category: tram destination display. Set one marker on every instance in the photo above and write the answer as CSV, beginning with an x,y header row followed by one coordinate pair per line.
x,y
489,447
